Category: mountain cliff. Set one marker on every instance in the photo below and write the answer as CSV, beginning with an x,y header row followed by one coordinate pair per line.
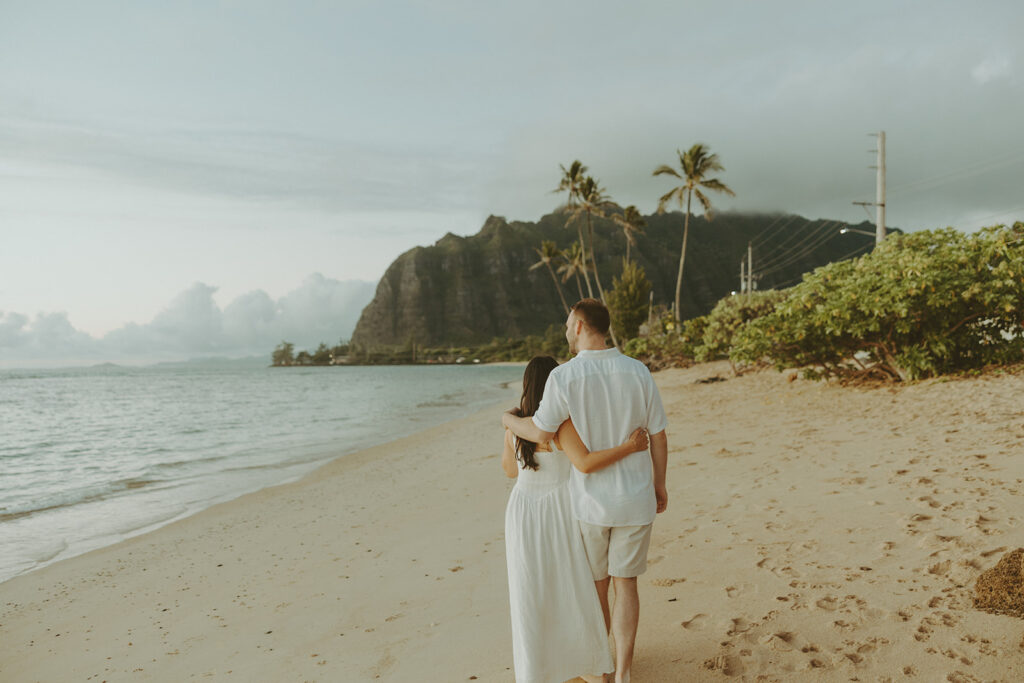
x,y
469,290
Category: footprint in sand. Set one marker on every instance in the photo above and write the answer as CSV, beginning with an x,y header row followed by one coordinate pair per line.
x,y
665,583
736,591
739,625
961,677
730,665
786,572
828,603
696,623
780,642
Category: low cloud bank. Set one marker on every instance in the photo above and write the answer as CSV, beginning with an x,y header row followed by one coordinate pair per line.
x,y
193,325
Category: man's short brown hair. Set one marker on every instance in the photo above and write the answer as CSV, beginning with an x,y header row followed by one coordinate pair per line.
x,y
594,314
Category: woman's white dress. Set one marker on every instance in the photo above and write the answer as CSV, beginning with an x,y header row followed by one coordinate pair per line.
x,y
558,629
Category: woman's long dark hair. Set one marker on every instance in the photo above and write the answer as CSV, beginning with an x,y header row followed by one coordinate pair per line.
x,y
534,379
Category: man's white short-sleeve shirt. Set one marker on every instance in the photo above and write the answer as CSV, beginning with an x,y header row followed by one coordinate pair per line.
x,y
608,395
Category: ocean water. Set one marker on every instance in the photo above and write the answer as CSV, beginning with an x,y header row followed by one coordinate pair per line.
x,y
91,456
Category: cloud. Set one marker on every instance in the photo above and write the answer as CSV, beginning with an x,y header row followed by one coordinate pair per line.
x,y
321,309
991,69
190,324
13,331
46,335
319,172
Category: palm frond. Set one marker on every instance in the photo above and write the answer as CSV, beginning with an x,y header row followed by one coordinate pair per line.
x,y
718,186
712,163
665,169
688,161
570,178
705,202
635,218
667,197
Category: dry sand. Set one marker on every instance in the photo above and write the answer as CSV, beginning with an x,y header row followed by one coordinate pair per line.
x,y
814,533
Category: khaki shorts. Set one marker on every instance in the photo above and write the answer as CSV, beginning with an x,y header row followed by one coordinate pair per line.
x,y
619,551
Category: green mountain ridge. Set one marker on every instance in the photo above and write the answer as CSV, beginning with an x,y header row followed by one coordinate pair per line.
x,y
470,290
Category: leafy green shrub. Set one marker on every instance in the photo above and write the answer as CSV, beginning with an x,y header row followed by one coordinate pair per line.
x,y
660,351
921,304
667,347
727,317
692,335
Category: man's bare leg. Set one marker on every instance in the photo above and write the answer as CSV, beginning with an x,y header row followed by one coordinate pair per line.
x,y
602,595
625,617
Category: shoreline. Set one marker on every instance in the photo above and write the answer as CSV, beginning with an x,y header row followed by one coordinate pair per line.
x,y
194,578
136,504
813,533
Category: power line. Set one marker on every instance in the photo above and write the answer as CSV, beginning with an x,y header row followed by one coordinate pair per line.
x,y
828,234
812,234
785,246
862,248
966,172
811,248
996,215
785,240
763,236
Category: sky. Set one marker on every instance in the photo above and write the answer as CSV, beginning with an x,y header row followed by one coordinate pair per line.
x,y
164,166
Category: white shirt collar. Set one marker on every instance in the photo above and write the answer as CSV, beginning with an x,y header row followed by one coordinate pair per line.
x,y
597,352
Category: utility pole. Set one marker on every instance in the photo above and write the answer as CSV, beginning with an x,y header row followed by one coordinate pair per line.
x,y
880,192
750,267
879,202
743,276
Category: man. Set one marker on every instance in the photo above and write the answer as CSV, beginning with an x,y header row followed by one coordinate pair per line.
x,y
607,395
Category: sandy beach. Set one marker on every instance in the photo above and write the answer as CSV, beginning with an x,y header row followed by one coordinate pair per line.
x,y
814,533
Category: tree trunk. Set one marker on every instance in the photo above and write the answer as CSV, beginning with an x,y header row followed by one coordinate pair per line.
x,y
597,278
682,256
583,249
558,287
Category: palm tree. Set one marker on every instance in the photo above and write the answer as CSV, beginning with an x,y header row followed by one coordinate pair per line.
x,y
574,264
550,253
570,182
593,202
632,223
696,163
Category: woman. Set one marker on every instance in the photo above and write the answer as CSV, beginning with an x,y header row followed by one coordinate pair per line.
x,y
558,629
